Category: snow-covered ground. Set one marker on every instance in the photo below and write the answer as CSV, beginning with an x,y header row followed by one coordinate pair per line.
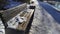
x,y
43,22
2,28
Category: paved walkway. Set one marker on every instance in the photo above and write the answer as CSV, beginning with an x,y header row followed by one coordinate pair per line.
x,y
43,22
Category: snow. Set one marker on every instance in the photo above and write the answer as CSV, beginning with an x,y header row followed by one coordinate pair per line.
x,y
44,22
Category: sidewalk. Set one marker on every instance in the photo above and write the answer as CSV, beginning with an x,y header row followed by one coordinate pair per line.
x,y
43,22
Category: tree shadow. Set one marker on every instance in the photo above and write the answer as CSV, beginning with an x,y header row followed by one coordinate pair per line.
x,y
53,12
